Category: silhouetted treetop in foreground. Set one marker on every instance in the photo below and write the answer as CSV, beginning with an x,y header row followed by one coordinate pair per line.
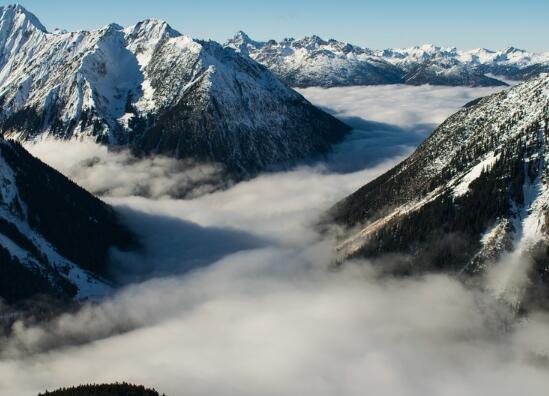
x,y
117,389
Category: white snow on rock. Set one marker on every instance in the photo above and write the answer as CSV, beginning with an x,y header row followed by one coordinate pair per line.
x,y
312,61
484,129
13,211
474,173
118,84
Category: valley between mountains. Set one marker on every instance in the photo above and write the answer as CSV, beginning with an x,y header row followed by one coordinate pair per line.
x,y
296,217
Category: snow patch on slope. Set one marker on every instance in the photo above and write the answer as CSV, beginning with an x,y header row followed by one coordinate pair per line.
x,y
14,211
474,173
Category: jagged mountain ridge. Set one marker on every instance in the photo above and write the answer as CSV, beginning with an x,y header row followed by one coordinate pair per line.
x,y
312,61
155,90
54,236
475,190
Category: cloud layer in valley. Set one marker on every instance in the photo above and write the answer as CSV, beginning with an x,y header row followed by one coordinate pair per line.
x,y
400,105
117,173
389,120
274,321
268,315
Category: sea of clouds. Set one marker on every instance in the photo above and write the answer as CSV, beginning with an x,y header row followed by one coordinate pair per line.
x,y
236,294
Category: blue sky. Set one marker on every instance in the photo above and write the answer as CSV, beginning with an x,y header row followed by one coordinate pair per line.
x,y
377,24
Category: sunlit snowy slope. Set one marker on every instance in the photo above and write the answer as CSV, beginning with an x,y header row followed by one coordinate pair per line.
x,y
155,90
474,191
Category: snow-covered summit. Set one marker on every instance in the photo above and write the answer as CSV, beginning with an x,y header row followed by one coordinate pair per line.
x,y
156,90
20,18
313,61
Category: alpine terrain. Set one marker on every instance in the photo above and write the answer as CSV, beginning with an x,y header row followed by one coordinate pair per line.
x,y
54,236
475,191
312,61
155,90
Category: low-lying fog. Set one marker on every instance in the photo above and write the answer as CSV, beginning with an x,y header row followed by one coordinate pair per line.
x,y
237,297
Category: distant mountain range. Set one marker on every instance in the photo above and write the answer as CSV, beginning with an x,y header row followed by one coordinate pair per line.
x,y
312,61
54,236
476,190
155,90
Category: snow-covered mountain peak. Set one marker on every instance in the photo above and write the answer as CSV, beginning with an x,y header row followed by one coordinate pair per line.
x,y
243,43
481,50
242,37
146,36
152,28
17,16
313,61
157,90
430,48
18,28
310,42
424,53
110,27
513,50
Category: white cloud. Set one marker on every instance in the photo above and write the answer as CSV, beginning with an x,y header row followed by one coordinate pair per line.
x,y
118,173
275,322
402,105
268,316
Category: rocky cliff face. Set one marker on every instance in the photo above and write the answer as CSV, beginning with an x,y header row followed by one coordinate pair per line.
x,y
157,91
